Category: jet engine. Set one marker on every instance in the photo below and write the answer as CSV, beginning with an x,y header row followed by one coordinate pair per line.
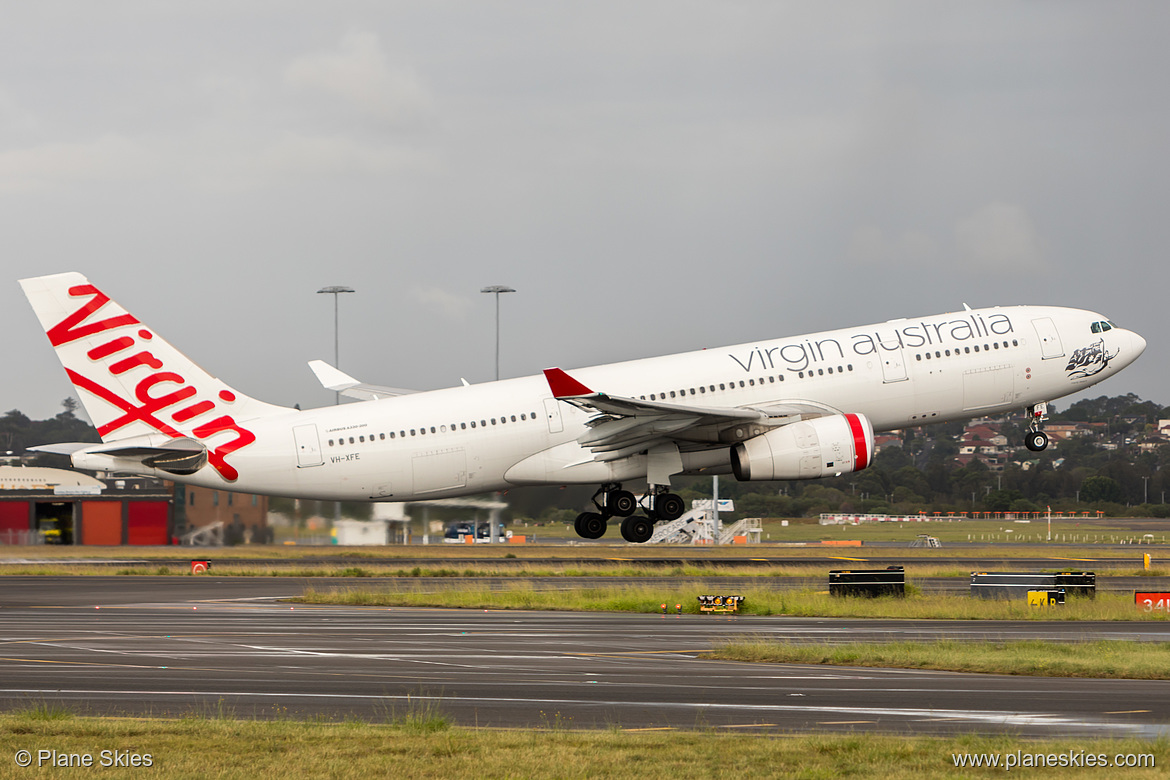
x,y
811,449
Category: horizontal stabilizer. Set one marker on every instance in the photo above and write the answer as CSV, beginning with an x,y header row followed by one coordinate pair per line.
x,y
177,456
62,448
340,382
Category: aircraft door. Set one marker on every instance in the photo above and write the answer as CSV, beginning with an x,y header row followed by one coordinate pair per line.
x,y
552,410
1050,346
308,446
893,365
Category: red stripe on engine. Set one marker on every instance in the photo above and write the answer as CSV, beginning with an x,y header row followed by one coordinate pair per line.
x,y
859,444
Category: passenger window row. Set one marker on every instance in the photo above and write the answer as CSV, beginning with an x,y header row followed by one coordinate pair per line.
x,y
736,384
424,430
940,353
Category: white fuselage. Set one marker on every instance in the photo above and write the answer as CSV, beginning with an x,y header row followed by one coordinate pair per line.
x,y
480,438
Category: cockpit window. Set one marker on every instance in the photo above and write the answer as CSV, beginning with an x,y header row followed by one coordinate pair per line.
x,y
1101,327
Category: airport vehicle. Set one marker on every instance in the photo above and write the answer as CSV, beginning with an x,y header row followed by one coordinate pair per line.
x,y
457,532
802,407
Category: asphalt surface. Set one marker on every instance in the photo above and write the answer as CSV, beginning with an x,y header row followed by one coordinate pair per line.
x,y
171,646
56,591
844,558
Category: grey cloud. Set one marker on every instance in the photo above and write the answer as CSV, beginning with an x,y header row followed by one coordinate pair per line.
x,y
1000,237
359,74
652,177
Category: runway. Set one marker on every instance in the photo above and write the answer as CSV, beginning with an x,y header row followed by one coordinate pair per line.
x,y
170,646
844,558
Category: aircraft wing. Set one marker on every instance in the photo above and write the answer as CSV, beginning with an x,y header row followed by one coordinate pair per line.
x,y
625,426
339,381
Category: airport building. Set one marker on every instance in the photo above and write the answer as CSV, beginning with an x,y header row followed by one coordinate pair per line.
x,y
58,506
61,506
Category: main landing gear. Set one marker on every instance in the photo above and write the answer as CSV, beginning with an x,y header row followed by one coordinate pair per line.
x,y
612,501
1036,440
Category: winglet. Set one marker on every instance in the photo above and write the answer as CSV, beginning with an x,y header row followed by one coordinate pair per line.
x,y
332,378
563,385
337,380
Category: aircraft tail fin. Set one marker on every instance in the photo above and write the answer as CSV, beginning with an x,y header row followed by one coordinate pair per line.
x,y
132,382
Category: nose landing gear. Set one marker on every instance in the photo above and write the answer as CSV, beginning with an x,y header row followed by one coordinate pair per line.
x,y
1036,440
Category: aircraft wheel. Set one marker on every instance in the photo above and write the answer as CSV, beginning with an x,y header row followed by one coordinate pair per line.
x,y
621,502
1036,441
637,529
669,506
590,525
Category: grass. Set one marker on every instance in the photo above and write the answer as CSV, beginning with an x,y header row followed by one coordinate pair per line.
x,y
508,567
196,747
1098,659
649,598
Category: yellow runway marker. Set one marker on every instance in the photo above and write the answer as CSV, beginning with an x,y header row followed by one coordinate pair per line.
x,y
1089,560
663,728
748,725
842,558
1124,712
106,665
842,722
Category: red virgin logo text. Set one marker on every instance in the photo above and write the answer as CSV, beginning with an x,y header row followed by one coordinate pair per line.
x,y
157,394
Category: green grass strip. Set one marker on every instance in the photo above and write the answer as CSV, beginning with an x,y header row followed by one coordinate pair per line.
x,y
220,747
648,598
1098,659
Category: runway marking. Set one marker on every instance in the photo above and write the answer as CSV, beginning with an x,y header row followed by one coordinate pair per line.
x,y
749,725
107,634
843,558
659,728
1000,718
1124,712
843,722
1090,560
112,666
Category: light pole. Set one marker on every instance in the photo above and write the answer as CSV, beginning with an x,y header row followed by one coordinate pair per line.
x,y
336,290
1145,490
497,289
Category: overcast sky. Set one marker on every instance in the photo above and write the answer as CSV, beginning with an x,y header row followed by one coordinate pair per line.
x,y
651,177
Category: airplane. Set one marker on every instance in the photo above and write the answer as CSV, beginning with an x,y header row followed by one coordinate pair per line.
x,y
802,407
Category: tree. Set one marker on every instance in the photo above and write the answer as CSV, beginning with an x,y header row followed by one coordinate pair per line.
x,y
892,459
1098,489
1001,500
913,481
